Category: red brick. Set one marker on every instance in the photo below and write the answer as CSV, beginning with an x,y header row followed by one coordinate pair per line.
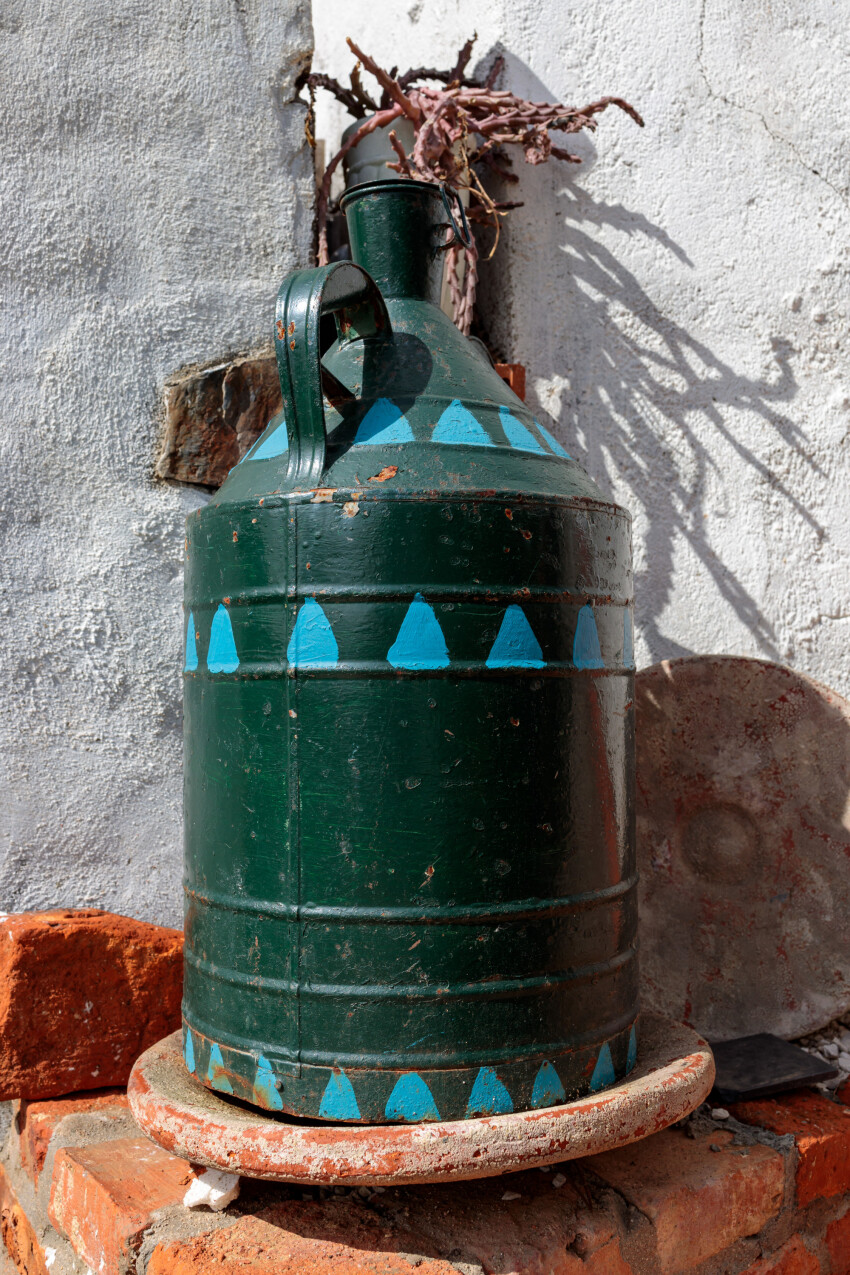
x,y
792,1259
17,1233
843,1094
81,995
698,1200
103,1197
821,1129
293,1239
838,1245
543,1232
514,374
38,1121
607,1260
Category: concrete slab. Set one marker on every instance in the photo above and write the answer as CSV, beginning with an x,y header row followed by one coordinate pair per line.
x,y
743,836
674,1073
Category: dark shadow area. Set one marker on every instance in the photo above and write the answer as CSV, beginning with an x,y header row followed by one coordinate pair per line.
x,y
644,401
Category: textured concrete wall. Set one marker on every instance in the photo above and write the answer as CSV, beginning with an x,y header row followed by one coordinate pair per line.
x,y
154,189
681,299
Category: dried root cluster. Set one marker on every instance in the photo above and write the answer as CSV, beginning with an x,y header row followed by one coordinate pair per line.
x,y
462,127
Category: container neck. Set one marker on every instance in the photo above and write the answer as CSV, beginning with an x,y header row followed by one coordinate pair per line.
x,y
397,231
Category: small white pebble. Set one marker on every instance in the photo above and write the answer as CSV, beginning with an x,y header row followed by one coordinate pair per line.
x,y
831,1050
214,1189
49,1257
558,1180
379,1190
844,1040
719,1113
364,1191
545,1168
511,1195
844,1061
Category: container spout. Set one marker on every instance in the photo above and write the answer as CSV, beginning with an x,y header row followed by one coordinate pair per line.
x,y
398,232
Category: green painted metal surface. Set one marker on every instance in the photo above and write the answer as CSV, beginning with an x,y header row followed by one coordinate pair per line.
x,y
410,874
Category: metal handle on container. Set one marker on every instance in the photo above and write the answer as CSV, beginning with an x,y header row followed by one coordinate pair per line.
x,y
342,288
463,235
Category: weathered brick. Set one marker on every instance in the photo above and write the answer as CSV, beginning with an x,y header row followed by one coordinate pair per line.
x,y
38,1121
17,1232
843,1093
103,1197
514,374
543,1232
792,1259
821,1129
292,1239
82,993
699,1201
838,1245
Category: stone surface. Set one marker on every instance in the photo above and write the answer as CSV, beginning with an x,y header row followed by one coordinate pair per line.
x,y
792,1259
743,836
213,416
39,1120
103,1197
82,993
699,1200
156,186
680,298
674,1073
821,1130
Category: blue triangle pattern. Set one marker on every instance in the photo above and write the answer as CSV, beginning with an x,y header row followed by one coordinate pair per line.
x,y
517,434
191,647
411,1100
222,656
420,643
312,644
552,441
515,645
548,1090
632,1054
603,1072
265,1087
628,639
489,1096
189,1052
586,650
458,425
339,1101
272,444
216,1074
384,423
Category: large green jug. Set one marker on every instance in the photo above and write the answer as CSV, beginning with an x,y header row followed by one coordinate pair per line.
x,y
410,879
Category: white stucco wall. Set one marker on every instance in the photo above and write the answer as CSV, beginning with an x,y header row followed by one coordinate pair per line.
x,y
681,299
154,189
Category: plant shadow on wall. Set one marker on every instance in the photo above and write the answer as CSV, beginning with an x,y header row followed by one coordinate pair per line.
x,y
647,400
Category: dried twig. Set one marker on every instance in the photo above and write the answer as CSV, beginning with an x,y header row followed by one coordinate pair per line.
x,y
459,124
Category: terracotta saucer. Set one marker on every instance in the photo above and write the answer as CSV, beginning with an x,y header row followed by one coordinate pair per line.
x,y
674,1073
743,841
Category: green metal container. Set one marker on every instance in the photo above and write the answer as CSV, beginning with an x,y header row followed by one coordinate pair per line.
x,y
410,874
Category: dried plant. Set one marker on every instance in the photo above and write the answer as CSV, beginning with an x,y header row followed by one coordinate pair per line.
x,y
462,128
